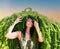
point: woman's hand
(18, 20)
(36, 25)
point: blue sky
(49, 4)
(46, 7)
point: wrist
(15, 23)
(38, 29)
(38, 32)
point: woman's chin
(29, 26)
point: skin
(18, 34)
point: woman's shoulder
(21, 33)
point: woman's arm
(10, 34)
(40, 38)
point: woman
(25, 38)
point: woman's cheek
(29, 24)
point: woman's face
(29, 23)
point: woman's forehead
(29, 19)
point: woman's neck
(27, 30)
(27, 33)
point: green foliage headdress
(50, 31)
